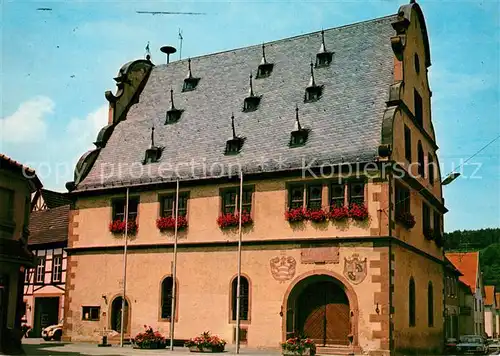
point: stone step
(334, 350)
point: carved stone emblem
(355, 269)
(282, 268)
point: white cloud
(83, 132)
(27, 123)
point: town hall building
(343, 208)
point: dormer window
(299, 135)
(173, 114)
(323, 57)
(251, 102)
(153, 153)
(313, 91)
(190, 82)
(265, 69)
(235, 143)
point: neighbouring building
(342, 236)
(452, 301)
(466, 325)
(468, 264)
(44, 285)
(490, 311)
(497, 300)
(17, 182)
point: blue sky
(57, 64)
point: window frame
(44, 269)
(412, 316)
(402, 205)
(430, 305)
(247, 190)
(350, 196)
(233, 300)
(309, 201)
(407, 143)
(183, 195)
(168, 298)
(431, 172)
(122, 200)
(290, 188)
(426, 217)
(90, 308)
(436, 219)
(331, 198)
(418, 106)
(10, 202)
(52, 273)
(420, 159)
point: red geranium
(358, 212)
(232, 220)
(407, 219)
(339, 213)
(118, 227)
(295, 215)
(168, 223)
(316, 216)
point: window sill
(242, 322)
(168, 320)
(90, 319)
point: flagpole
(238, 285)
(124, 271)
(174, 269)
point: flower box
(118, 227)
(168, 223)
(358, 212)
(295, 215)
(232, 220)
(317, 216)
(206, 343)
(298, 346)
(406, 219)
(429, 234)
(149, 339)
(338, 213)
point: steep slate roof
(54, 199)
(345, 123)
(490, 295)
(48, 226)
(468, 264)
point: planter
(358, 212)
(295, 215)
(117, 227)
(151, 345)
(317, 216)
(165, 224)
(205, 349)
(226, 221)
(406, 219)
(306, 352)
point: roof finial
(250, 91)
(263, 61)
(172, 107)
(322, 49)
(232, 125)
(152, 137)
(189, 75)
(297, 126)
(148, 52)
(312, 83)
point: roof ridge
(280, 40)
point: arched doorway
(116, 315)
(318, 307)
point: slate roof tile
(48, 226)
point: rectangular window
(27, 275)
(402, 200)
(357, 193)
(119, 206)
(430, 168)
(418, 108)
(91, 313)
(426, 218)
(57, 268)
(337, 198)
(7, 204)
(40, 270)
(407, 143)
(231, 200)
(314, 194)
(437, 222)
(296, 197)
(167, 204)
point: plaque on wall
(320, 255)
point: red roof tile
(490, 295)
(497, 297)
(467, 263)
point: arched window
(411, 302)
(421, 163)
(430, 305)
(244, 290)
(166, 297)
(430, 168)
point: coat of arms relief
(355, 268)
(282, 268)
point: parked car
(450, 346)
(494, 346)
(53, 332)
(472, 344)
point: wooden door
(323, 314)
(116, 315)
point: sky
(56, 66)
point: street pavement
(46, 348)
